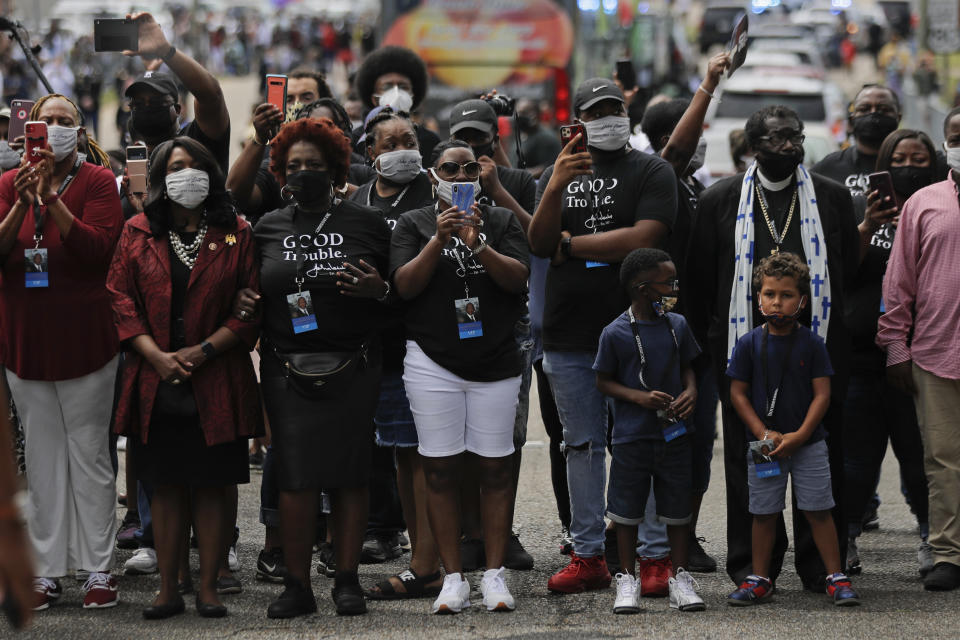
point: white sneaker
(925, 557)
(496, 596)
(141, 563)
(628, 594)
(233, 562)
(682, 593)
(454, 596)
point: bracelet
(480, 247)
(169, 54)
(700, 88)
(256, 140)
(386, 294)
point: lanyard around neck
(393, 205)
(643, 358)
(770, 398)
(38, 211)
(301, 257)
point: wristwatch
(480, 247)
(565, 245)
(208, 349)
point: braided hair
(95, 155)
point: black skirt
(177, 454)
(321, 443)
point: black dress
(176, 453)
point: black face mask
(874, 127)
(152, 122)
(528, 123)
(909, 180)
(484, 150)
(779, 166)
(311, 189)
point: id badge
(593, 265)
(36, 266)
(765, 466)
(468, 318)
(301, 312)
(672, 429)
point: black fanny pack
(318, 375)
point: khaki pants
(938, 412)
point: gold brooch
(230, 239)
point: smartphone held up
(115, 34)
(569, 131)
(137, 168)
(35, 134)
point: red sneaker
(654, 576)
(101, 591)
(45, 591)
(582, 574)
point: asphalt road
(895, 604)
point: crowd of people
(373, 302)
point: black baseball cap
(473, 114)
(593, 91)
(158, 81)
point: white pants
(71, 511)
(454, 415)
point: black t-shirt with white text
(583, 297)
(352, 233)
(520, 185)
(850, 168)
(432, 319)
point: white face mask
(188, 187)
(397, 99)
(698, 156)
(400, 166)
(609, 133)
(445, 188)
(9, 157)
(953, 156)
(63, 140)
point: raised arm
(545, 228)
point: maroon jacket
(225, 387)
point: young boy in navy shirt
(643, 363)
(780, 387)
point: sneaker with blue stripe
(753, 590)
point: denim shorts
(809, 468)
(635, 464)
(395, 426)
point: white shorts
(454, 415)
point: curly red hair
(319, 131)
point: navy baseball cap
(158, 81)
(593, 91)
(473, 114)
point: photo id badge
(301, 312)
(766, 466)
(468, 318)
(672, 429)
(37, 268)
(593, 265)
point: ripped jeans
(583, 413)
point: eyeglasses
(777, 140)
(673, 284)
(450, 169)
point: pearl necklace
(187, 254)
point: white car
(742, 95)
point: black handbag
(318, 375)
(176, 399)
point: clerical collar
(771, 185)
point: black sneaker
(296, 600)
(473, 555)
(566, 541)
(377, 549)
(516, 557)
(348, 597)
(698, 560)
(270, 565)
(944, 577)
(871, 521)
(326, 560)
(229, 585)
(256, 459)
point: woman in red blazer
(188, 393)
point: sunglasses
(673, 284)
(450, 169)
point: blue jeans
(583, 413)
(144, 535)
(704, 429)
(652, 540)
(524, 338)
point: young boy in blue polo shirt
(780, 387)
(643, 363)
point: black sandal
(416, 587)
